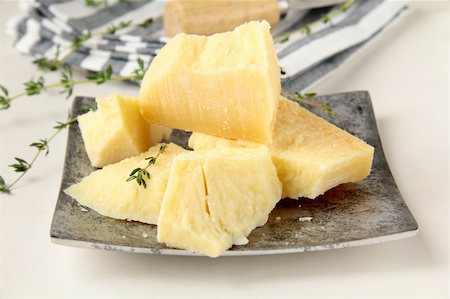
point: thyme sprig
(67, 82)
(140, 174)
(325, 19)
(36, 86)
(306, 99)
(80, 40)
(42, 146)
(46, 64)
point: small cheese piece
(207, 17)
(117, 130)
(310, 154)
(107, 191)
(226, 85)
(216, 198)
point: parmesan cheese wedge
(310, 154)
(216, 198)
(226, 85)
(208, 17)
(117, 130)
(107, 191)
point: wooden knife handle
(213, 16)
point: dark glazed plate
(368, 212)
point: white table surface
(405, 70)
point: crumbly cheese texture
(117, 130)
(226, 85)
(216, 198)
(310, 154)
(107, 191)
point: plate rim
(182, 252)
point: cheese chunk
(226, 85)
(117, 130)
(207, 17)
(216, 198)
(107, 191)
(310, 154)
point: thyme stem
(306, 28)
(59, 128)
(306, 99)
(75, 82)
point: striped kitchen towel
(305, 57)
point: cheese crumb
(305, 219)
(240, 241)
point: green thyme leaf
(146, 23)
(325, 19)
(284, 39)
(96, 3)
(33, 87)
(328, 110)
(139, 72)
(45, 64)
(140, 174)
(88, 107)
(4, 90)
(80, 39)
(63, 125)
(113, 28)
(42, 145)
(5, 102)
(66, 81)
(101, 76)
(305, 29)
(310, 94)
(3, 187)
(21, 165)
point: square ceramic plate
(368, 212)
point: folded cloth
(305, 55)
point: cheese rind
(107, 191)
(117, 130)
(226, 85)
(216, 198)
(310, 154)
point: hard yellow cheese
(108, 192)
(206, 17)
(117, 130)
(310, 154)
(227, 84)
(216, 198)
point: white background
(406, 71)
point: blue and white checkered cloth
(304, 58)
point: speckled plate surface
(368, 212)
